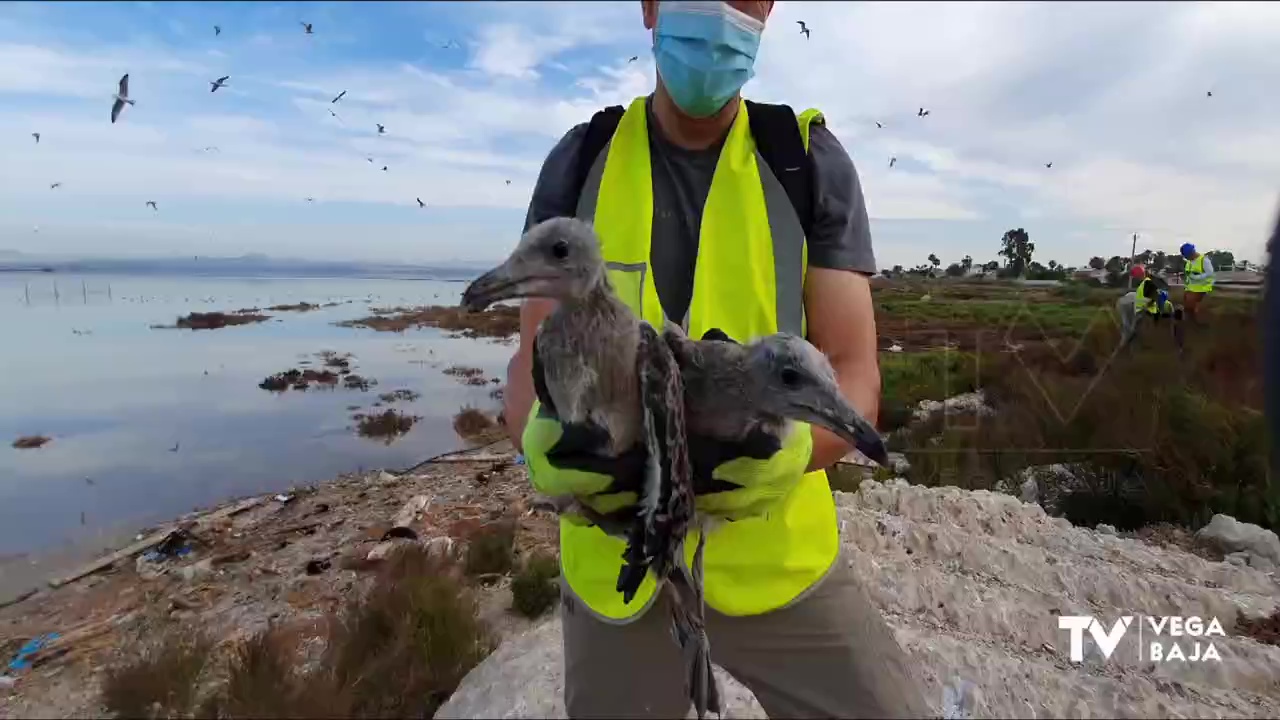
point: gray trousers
(829, 654)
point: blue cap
(1187, 249)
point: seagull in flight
(175, 446)
(152, 204)
(217, 30)
(634, 58)
(339, 97)
(382, 130)
(420, 203)
(921, 112)
(508, 182)
(122, 97)
(369, 159)
(892, 160)
(55, 186)
(311, 199)
(803, 28)
(1048, 165)
(306, 27)
(384, 168)
(220, 82)
(211, 148)
(1208, 93)
(37, 137)
(879, 124)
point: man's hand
(842, 324)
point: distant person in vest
(715, 212)
(1149, 299)
(1199, 275)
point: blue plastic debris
(957, 699)
(32, 646)
(519, 458)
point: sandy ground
(249, 568)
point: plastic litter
(22, 660)
(519, 458)
(957, 699)
(282, 498)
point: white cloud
(1113, 95)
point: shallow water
(118, 400)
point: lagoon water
(119, 396)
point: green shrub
(534, 590)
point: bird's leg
(684, 587)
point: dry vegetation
(476, 427)
(386, 426)
(31, 442)
(499, 321)
(398, 650)
(215, 320)
(469, 375)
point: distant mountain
(253, 265)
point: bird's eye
(789, 376)
(560, 250)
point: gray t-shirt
(841, 237)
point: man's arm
(842, 324)
(837, 293)
(517, 398)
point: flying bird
(306, 27)
(220, 82)
(921, 112)
(382, 130)
(311, 199)
(633, 58)
(1208, 93)
(420, 203)
(879, 124)
(384, 168)
(55, 186)
(152, 204)
(369, 159)
(217, 30)
(122, 97)
(803, 28)
(175, 446)
(1048, 165)
(339, 97)
(508, 182)
(335, 116)
(211, 148)
(37, 137)
(892, 160)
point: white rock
(1105, 529)
(1231, 535)
(971, 584)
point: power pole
(1133, 252)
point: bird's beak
(838, 416)
(505, 282)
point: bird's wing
(124, 85)
(224, 78)
(115, 109)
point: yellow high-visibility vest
(1195, 267)
(748, 281)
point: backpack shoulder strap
(783, 143)
(599, 131)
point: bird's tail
(688, 625)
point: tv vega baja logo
(1160, 639)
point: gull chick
(122, 97)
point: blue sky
(1112, 93)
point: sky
(475, 94)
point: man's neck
(687, 132)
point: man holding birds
(717, 213)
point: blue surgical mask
(705, 52)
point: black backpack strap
(599, 131)
(777, 135)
